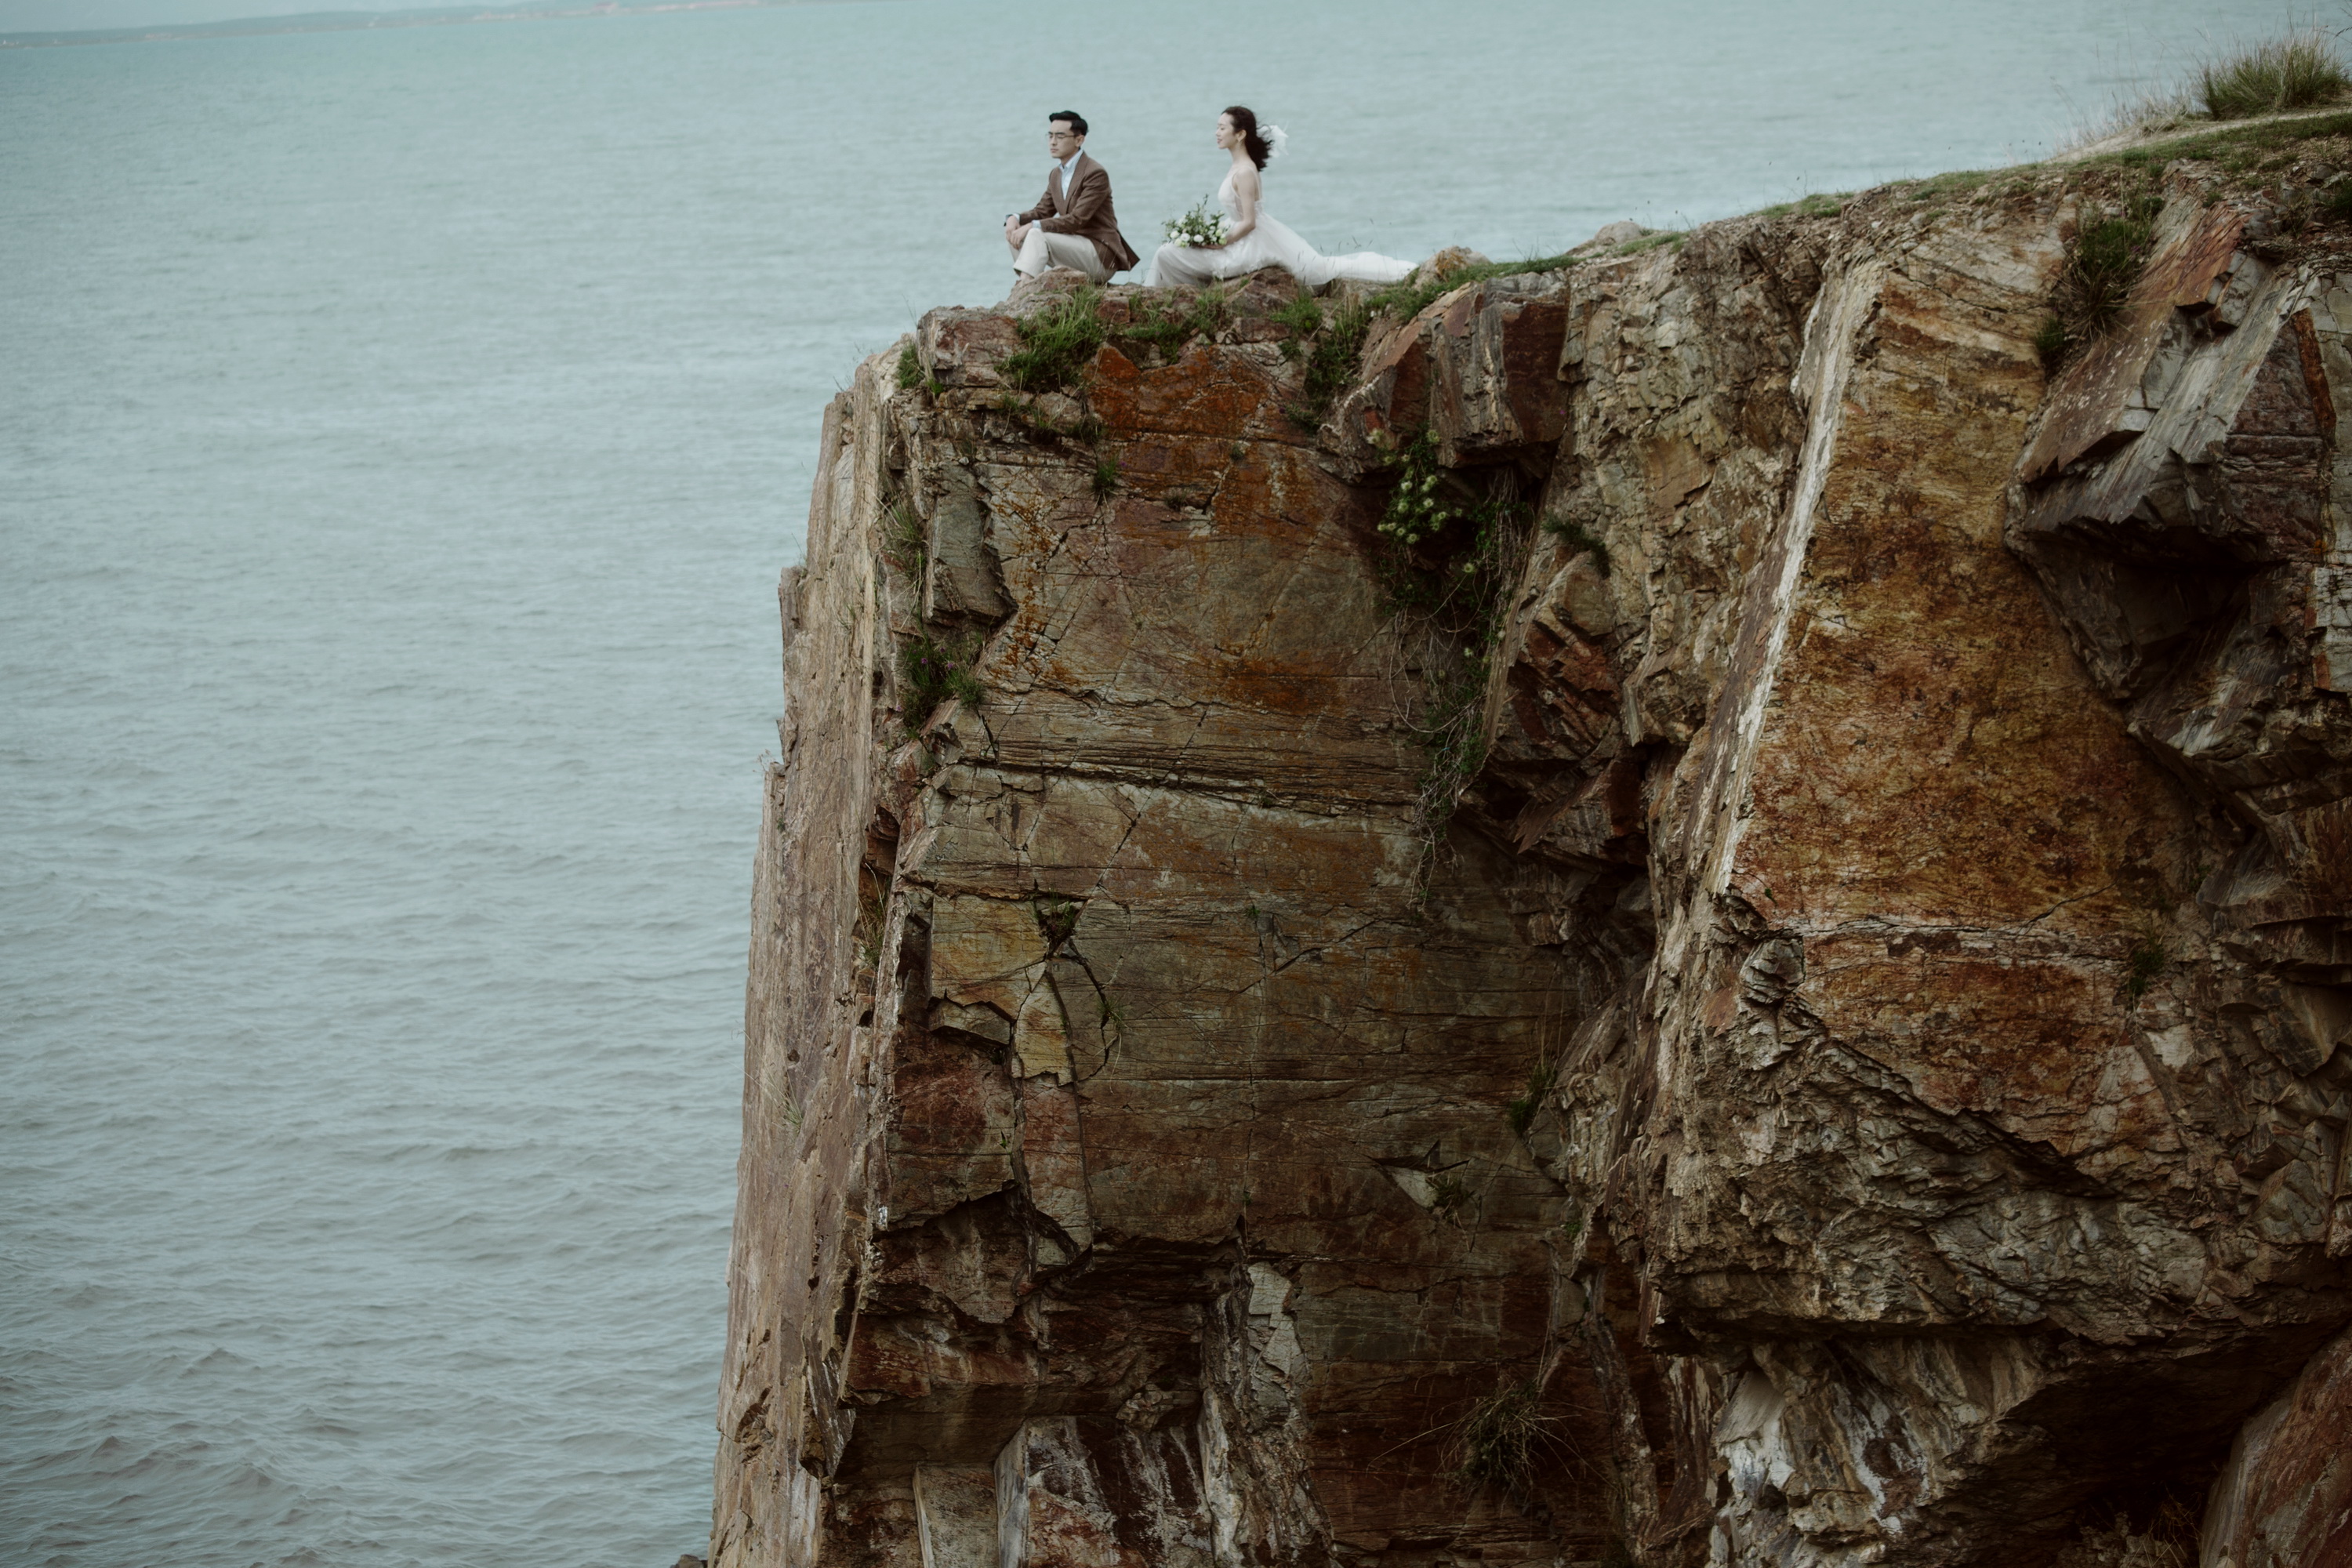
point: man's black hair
(1078, 121)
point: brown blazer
(1086, 210)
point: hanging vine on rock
(1451, 546)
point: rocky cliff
(1685, 909)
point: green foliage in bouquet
(1204, 224)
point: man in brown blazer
(1071, 223)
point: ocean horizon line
(364, 21)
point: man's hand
(1015, 232)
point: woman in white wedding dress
(1254, 236)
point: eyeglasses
(1061, 135)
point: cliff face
(1854, 1079)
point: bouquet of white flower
(1204, 224)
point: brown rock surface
(1855, 1076)
(2285, 1500)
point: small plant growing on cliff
(2050, 341)
(1573, 533)
(1106, 478)
(1056, 343)
(903, 538)
(2143, 964)
(1299, 320)
(1495, 1442)
(1446, 560)
(1424, 502)
(1447, 1193)
(1332, 364)
(1522, 1109)
(1086, 430)
(931, 670)
(910, 369)
(873, 913)
(1165, 330)
(1332, 344)
(1057, 918)
(1456, 739)
(2095, 283)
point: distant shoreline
(356, 21)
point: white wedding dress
(1271, 243)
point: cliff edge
(1689, 907)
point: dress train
(1272, 243)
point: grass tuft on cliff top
(1415, 294)
(1817, 204)
(2231, 146)
(1167, 327)
(1056, 343)
(2299, 70)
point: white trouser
(1041, 250)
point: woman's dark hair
(1253, 143)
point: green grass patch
(2235, 143)
(1332, 345)
(1165, 330)
(1445, 562)
(904, 539)
(1410, 298)
(1817, 204)
(1056, 343)
(1581, 538)
(1057, 917)
(1954, 183)
(1521, 1109)
(1332, 364)
(911, 372)
(2095, 283)
(1106, 478)
(1300, 320)
(1650, 242)
(2050, 341)
(2300, 70)
(932, 670)
(2143, 964)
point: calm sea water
(400, 433)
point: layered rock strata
(1854, 1077)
